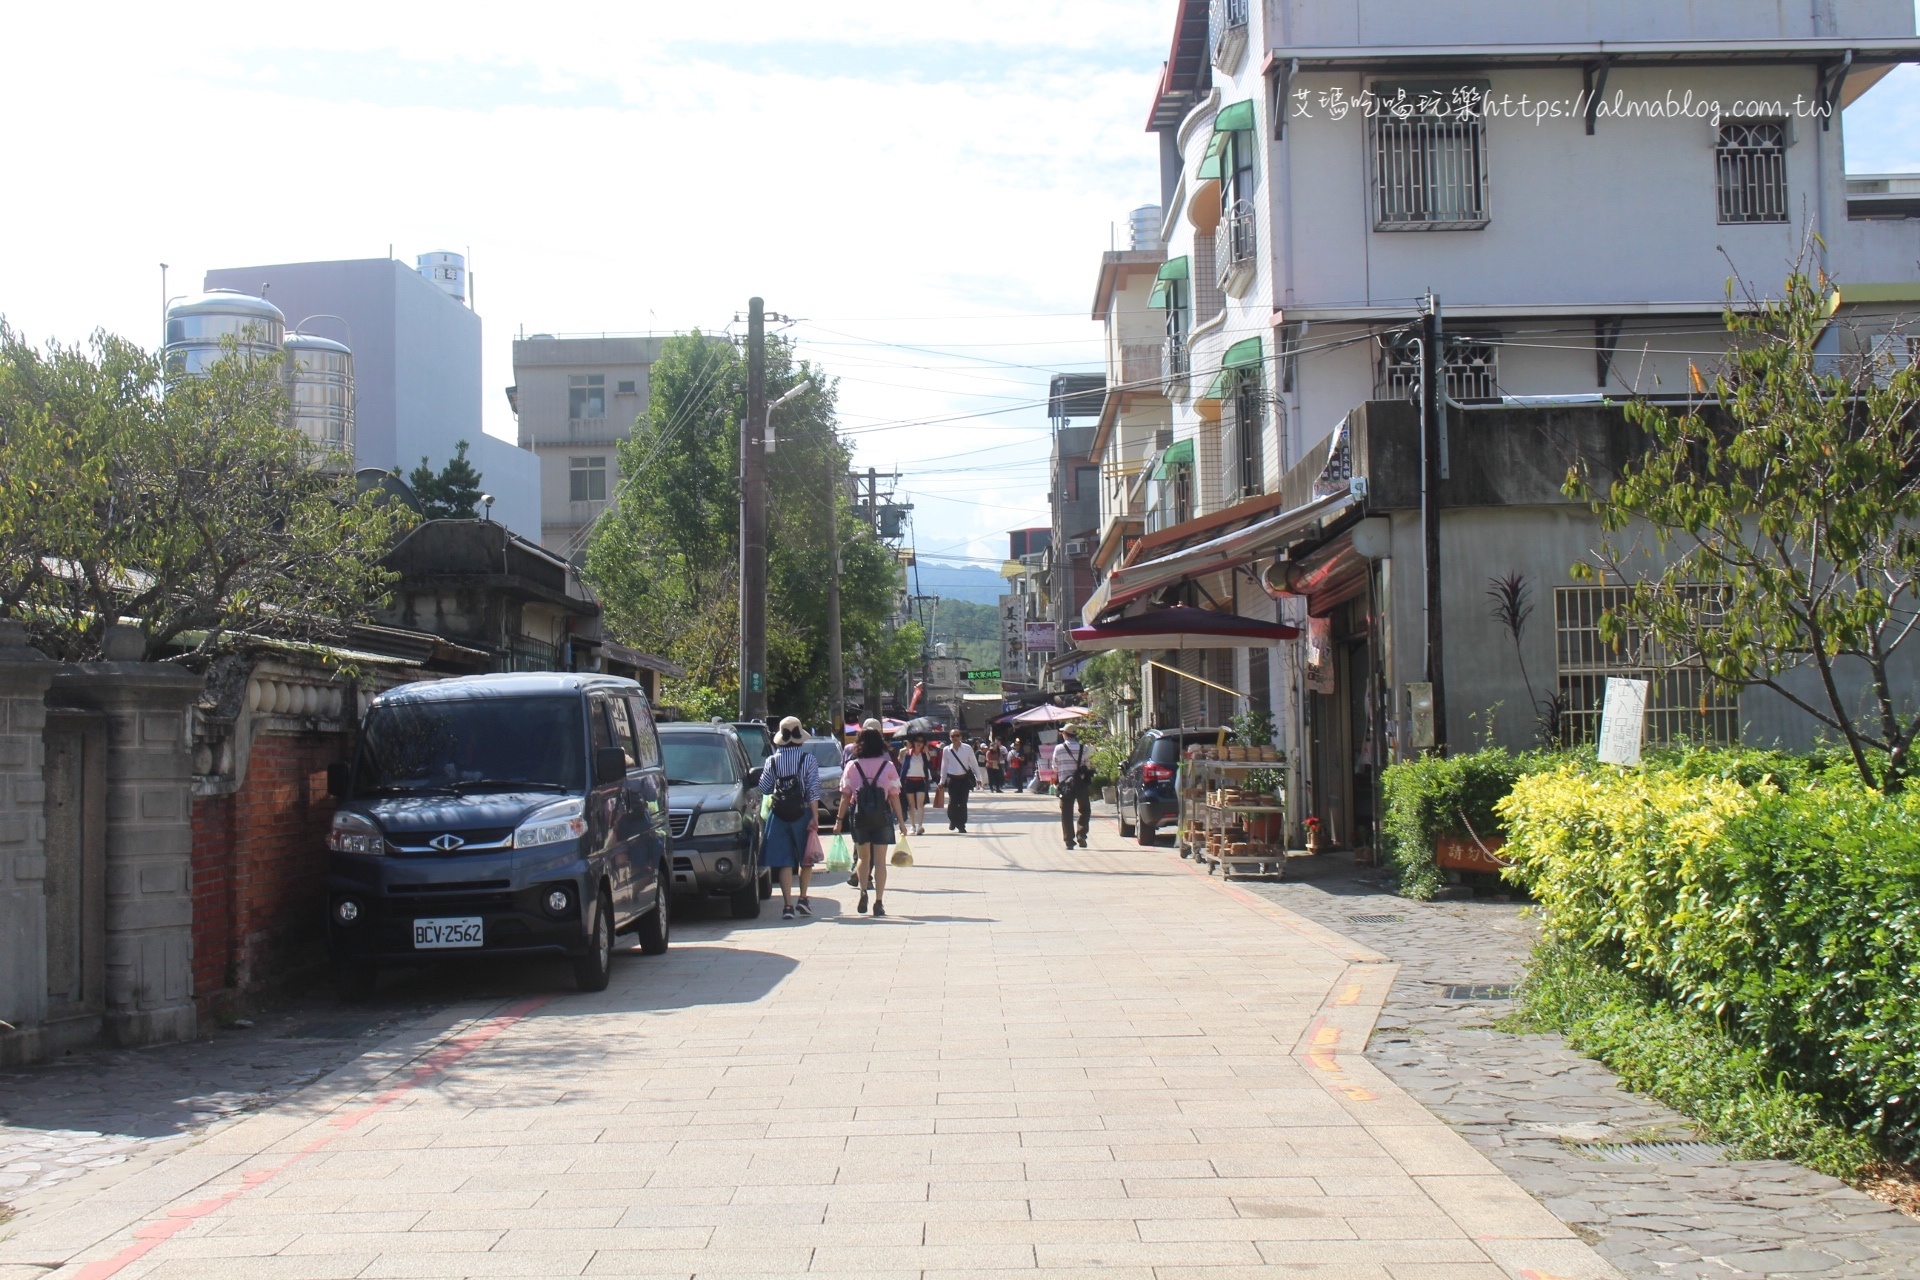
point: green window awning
(1244, 354)
(1180, 455)
(1173, 269)
(1237, 118)
(1214, 160)
(1158, 298)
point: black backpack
(1081, 779)
(789, 797)
(870, 801)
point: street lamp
(805, 384)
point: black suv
(1147, 797)
(715, 816)
(499, 815)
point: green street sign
(756, 681)
(986, 673)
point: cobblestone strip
(1526, 1102)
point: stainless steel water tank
(1144, 225)
(197, 326)
(447, 270)
(320, 393)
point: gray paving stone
(1524, 1100)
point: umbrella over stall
(1182, 627)
(1049, 715)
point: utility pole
(836, 672)
(753, 522)
(1433, 391)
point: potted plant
(1312, 825)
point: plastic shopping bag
(815, 855)
(839, 853)
(902, 854)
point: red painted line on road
(152, 1235)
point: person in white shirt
(958, 764)
(1074, 774)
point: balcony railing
(524, 653)
(1235, 247)
(1174, 359)
(1227, 31)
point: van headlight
(565, 820)
(721, 822)
(352, 833)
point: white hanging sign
(1623, 720)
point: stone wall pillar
(149, 841)
(24, 676)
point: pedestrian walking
(996, 765)
(853, 744)
(791, 777)
(916, 780)
(870, 788)
(958, 765)
(1074, 777)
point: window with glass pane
(1430, 157)
(588, 479)
(587, 395)
(1752, 160)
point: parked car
(1147, 797)
(715, 816)
(499, 815)
(756, 738)
(827, 752)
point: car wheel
(1146, 832)
(1126, 828)
(746, 902)
(355, 982)
(656, 925)
(593, 970)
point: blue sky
(927, 187)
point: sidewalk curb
(56, 1226)
(1318, 934)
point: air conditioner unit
(1079, 546)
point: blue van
(502, 815)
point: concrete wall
(24, 676)
(416, 357)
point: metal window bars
(1227, 30)
(1751, 157)
(1430, 172)
(1471, 366)
(1235, 244)
(1684, 702)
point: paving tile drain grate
(1374, 919)
(1654, 1152)
(1477, 990)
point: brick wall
(260, 867)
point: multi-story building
(415, 347)
(576, 399)
(1024, 610)
(1074, 502)
(1571, 185)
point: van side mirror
(338, 778)
(609, 766)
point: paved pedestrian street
(1096, 1063)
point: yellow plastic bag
(902, 854)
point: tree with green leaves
(664, 558)
(185, 506)
(1785, 504)
(453, 492)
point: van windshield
(470, 745)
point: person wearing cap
(783, 847)
(852, 747)
(958, 765)
(1075, 781)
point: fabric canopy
(1179, 455)
(1050, 715)
(1182, 627)
(1237, 118)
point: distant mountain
(958, 582)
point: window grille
(1430, 163)
(1752, 160)
(1471, 367)
(1243, 423)
(1684, 703)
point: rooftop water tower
(198, 327)
(447, 270)
(320, 393)
(1143, 224)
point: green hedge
(1438, 796)
(1769, 895)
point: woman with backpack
(916, 780)
(791, 779)
(870, 787)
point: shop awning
(1183, 628)
(1131, 582)
(1178, 455)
